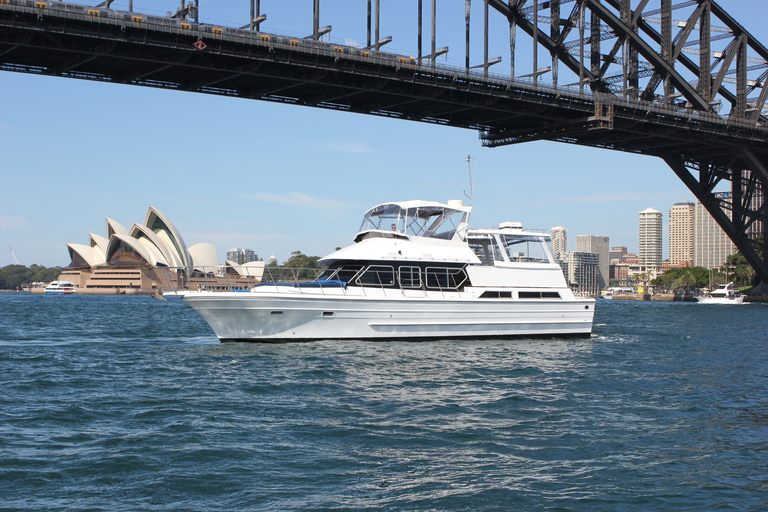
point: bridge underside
(702, 148)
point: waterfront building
(582, 271)
(559, 237)
(650, 238)
(147, 257)
(620, 274)
(681, 225)
(597, 245)
(711, 246)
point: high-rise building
(559, 241)
(681, 233)
(241, 256)
(582, 271)
(597, 245)
(711, 246)
(650, 237)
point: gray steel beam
(650, 54)
(704, 194)
(512, 13)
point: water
(128, 403)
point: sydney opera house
(149, 257)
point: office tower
(711, 246)
(618, 253)
(681, 233)
(597, 245)
(582, 271)
(559, 241)
(650, 238)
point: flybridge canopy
(418, 218)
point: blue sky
(278, 178)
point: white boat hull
(285, 317)
(720, 300)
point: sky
(279, 178)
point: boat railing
(304, 280)
(225, 278)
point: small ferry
(723, 294)
(61, 287)
(415, 272)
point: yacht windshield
(526, 248)
(426, 221)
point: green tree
(12, 276)
(742, 271)
(686, 281)
(298, 267)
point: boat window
(410, 277)
(496, 295)
(486, 249)
(445, 278)
(434, 222)
(525, 248)
(344, 273)
(378, 275)
(427, 221)
(389, 217)
(538, 295)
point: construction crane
(14, 256)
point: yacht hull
(720, 300)
(276, 317)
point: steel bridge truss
(654, 66)
(612, 81)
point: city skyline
(282, 178)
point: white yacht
(63, 287)
(415, 272)
(723, 294)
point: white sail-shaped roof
(126, 251)
(162, 244)
(166, 231)
(204, 257)
(250, 269)
(80, 254)
(156, 242)
(99, 245)
(115, 228)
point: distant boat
(59, 287)
(724, 294)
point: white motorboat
(415, 272)
(62, 287)
(723, 294)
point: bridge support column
(747, 226)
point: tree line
(736, 270)
(13, 276)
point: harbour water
(129, 403)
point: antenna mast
(14, 256)
(471, 186)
